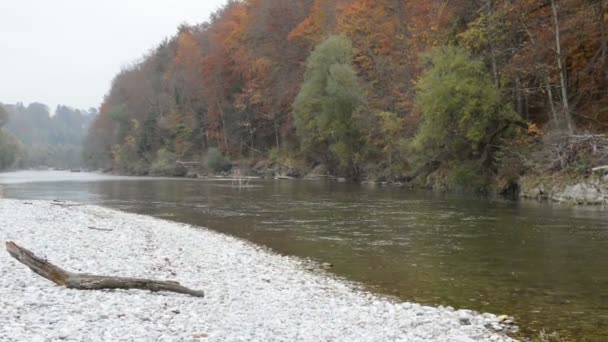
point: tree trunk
(519, 98)
(81, 281)
(562, 70)
(551, 105)
(276, 136)
(492, 47)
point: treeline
(39, 139)
(450, 93)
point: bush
(139, 168)
(467, 177)
(216, 162)
(166, 164)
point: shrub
(216, 162)
(166, 164)
(467, 177)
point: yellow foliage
(534, 130)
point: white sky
(68, 51)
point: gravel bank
(251, 294)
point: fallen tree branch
(82, 281)
(66, 205)
(101, 229)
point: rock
(502, 318)
(462, 339)
(534, 192)
(317, 172)
(495, 327)
(464, 318)
(193, 175)
(327, 265)
(582, 193)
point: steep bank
(252, 294)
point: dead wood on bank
(82, 281)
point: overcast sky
(68, 51)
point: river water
(545, 264)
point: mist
(68, 51)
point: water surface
(547, 265)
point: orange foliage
(318, 25)
(231, 82)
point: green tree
(326, 104)
(463, 118)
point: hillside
(451, 95)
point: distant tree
(326, 105)
(320, 22)
(46, 140)
(10, 149)
(3, 116)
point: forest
(462, 94)
(31, 137)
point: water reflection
(547, 265)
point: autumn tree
(275, 71)
(382, 55)
(319, 24)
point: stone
(582, 193)
(464, 318)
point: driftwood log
(101, 229)
(82, 281)
(67, 205)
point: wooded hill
(35, 138)
(440, 92)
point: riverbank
(251, 293)
(560, 187)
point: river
(545, 264)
